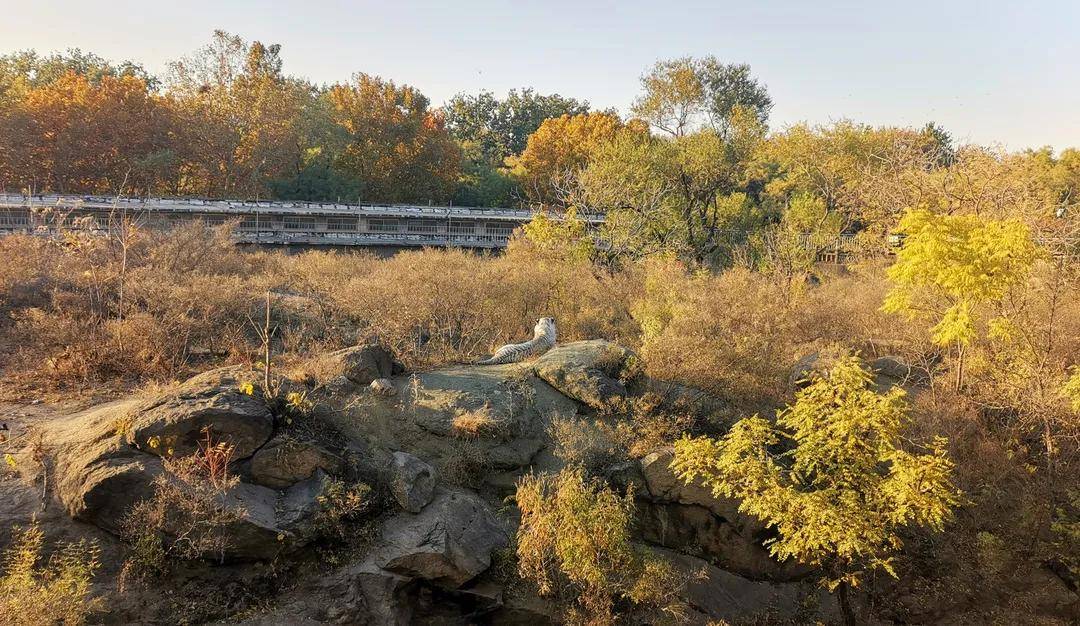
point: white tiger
(542, 341)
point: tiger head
(545, 327)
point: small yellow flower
(10, 460)
(281, 537)
(154, 442)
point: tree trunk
(959, 366)
(845, 605)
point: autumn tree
(560, 147)
(684, 94)
(669, 195)
(79, 136)
(397, 149)
(238, 115)
(74, 121)
(950, 266)
(834, 477)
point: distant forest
(694, 159)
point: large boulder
(448, 543)
(284, 462)
(100, 475)
(887, 370)
(356, 366)
(689, 518)
(174, 423)
(727, 597)
(412, 481)
(587, 371)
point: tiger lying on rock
(542, 341)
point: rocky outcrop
(587, 371)
(887, 370)
(106, 461)
(284, 461)
(430, 558)
(722, 595)
(174, 423)
(412, 482)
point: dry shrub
(341, 505)
(729, 334)
(464, 463)
(186, 298)
(574, 543)
(439, 306)
(480, 422)
(187, 517)
(845, 308)
(54, 592)
(591, 445)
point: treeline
(227, 122)
(694, 172)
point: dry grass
(481, 422)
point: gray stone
(99, 478)
(688, 517)
(587, 371)
(359, 365)
(449, 542)
(382, 387)
(412, 481)
(722, 595)
(284, 462)
(175, 423)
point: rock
(412, 481)
(587, 371)
(689, 518)
(283, 462)
(382, 387)
(176, 421)
(663, 485)
(514, 454)
(728, 597)
(893, 370)
(509, 394)
(360, 365)
(449, 542)
(682, 399)
(100, 477)
(803, 371)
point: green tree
(951, 265)
(832, 476)
(669, 195)
(679, 95)
(501, 128)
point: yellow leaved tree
(846, 484)
(951, 265)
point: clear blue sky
(990, 72)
